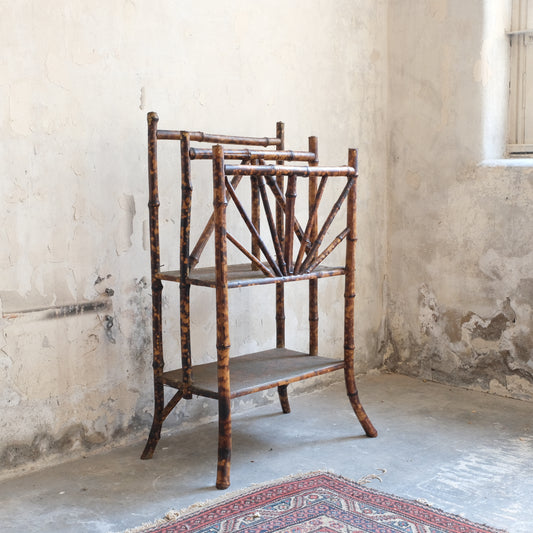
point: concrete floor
(465, 452)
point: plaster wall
(77, 79)
(460, 257)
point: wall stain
(493, 330)
(75, 438)
(465, 348)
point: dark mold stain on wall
(74, 438)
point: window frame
(520, 37)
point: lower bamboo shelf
(255, 372)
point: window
(521, 80)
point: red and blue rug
(315, 503)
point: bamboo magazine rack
(287, 251)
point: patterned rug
(313, 503)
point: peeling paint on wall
(489, 353)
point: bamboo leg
(284, 399)
(280, 288)
(155, 432)
(349, 313)
(353, 396)
(157, 288)
(159, 393)
(185, 228)
(185, 337)
(224, 443)
(280, 341)
(280, 315)
(223, 340)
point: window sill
(524, 162)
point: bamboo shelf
(292, 252)
(243, 275)
(256, 372)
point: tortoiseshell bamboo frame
(280, 267)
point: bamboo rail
(279, 170)
(231, 153)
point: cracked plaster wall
(460, 273)
(77, 80)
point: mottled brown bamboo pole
(272, 225)
(284, 399)
(313, 283)
(254, 260)
(290, 196)
(334, 210)
(236, 153)
(212, 138)
(310, 230)
(172, 403)
(332, 245)
(278, 170)
(223, 340)
(349, 308)
(185, 230)
(256, 218)
(206, 233)
(157, 288)
(252, 228)
(280, 288)
(281, 203)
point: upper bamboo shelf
(244, 275)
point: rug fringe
(370, 477)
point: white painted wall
(77, 79)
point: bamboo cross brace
(206, 233)
(280, 199)
(172, 403)
(336, 241)
(311, 224)
(250, 256)
(252, 228)
(272, 225)
(335, 209)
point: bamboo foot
(284, 399)
(153, 439)
(223, 469)
(359, 411)
(224, 444)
